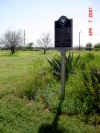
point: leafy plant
(71, 64)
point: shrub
(90, 95)
(34, 87)
(97, 46)
(90, 56)
(30, 46)
(89, 46)
(28, 91)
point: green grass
(27, 70)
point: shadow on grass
(53, 127)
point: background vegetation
(29, 92)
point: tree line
(13, 40)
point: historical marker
(63, 40)
(63, 32)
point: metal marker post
(63, 61)
(63, 40)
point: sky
(37, 17)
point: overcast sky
(38, 16)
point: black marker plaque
(63, 32)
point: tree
(44, 41)
(97, 46)
(30, 46)
(11, 40)
(89, 46)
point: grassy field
(29, 93)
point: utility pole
(79, 39)
(24, 37)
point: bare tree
(44, 41)
(12, 40)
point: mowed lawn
(20, 72)
(17, 70)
